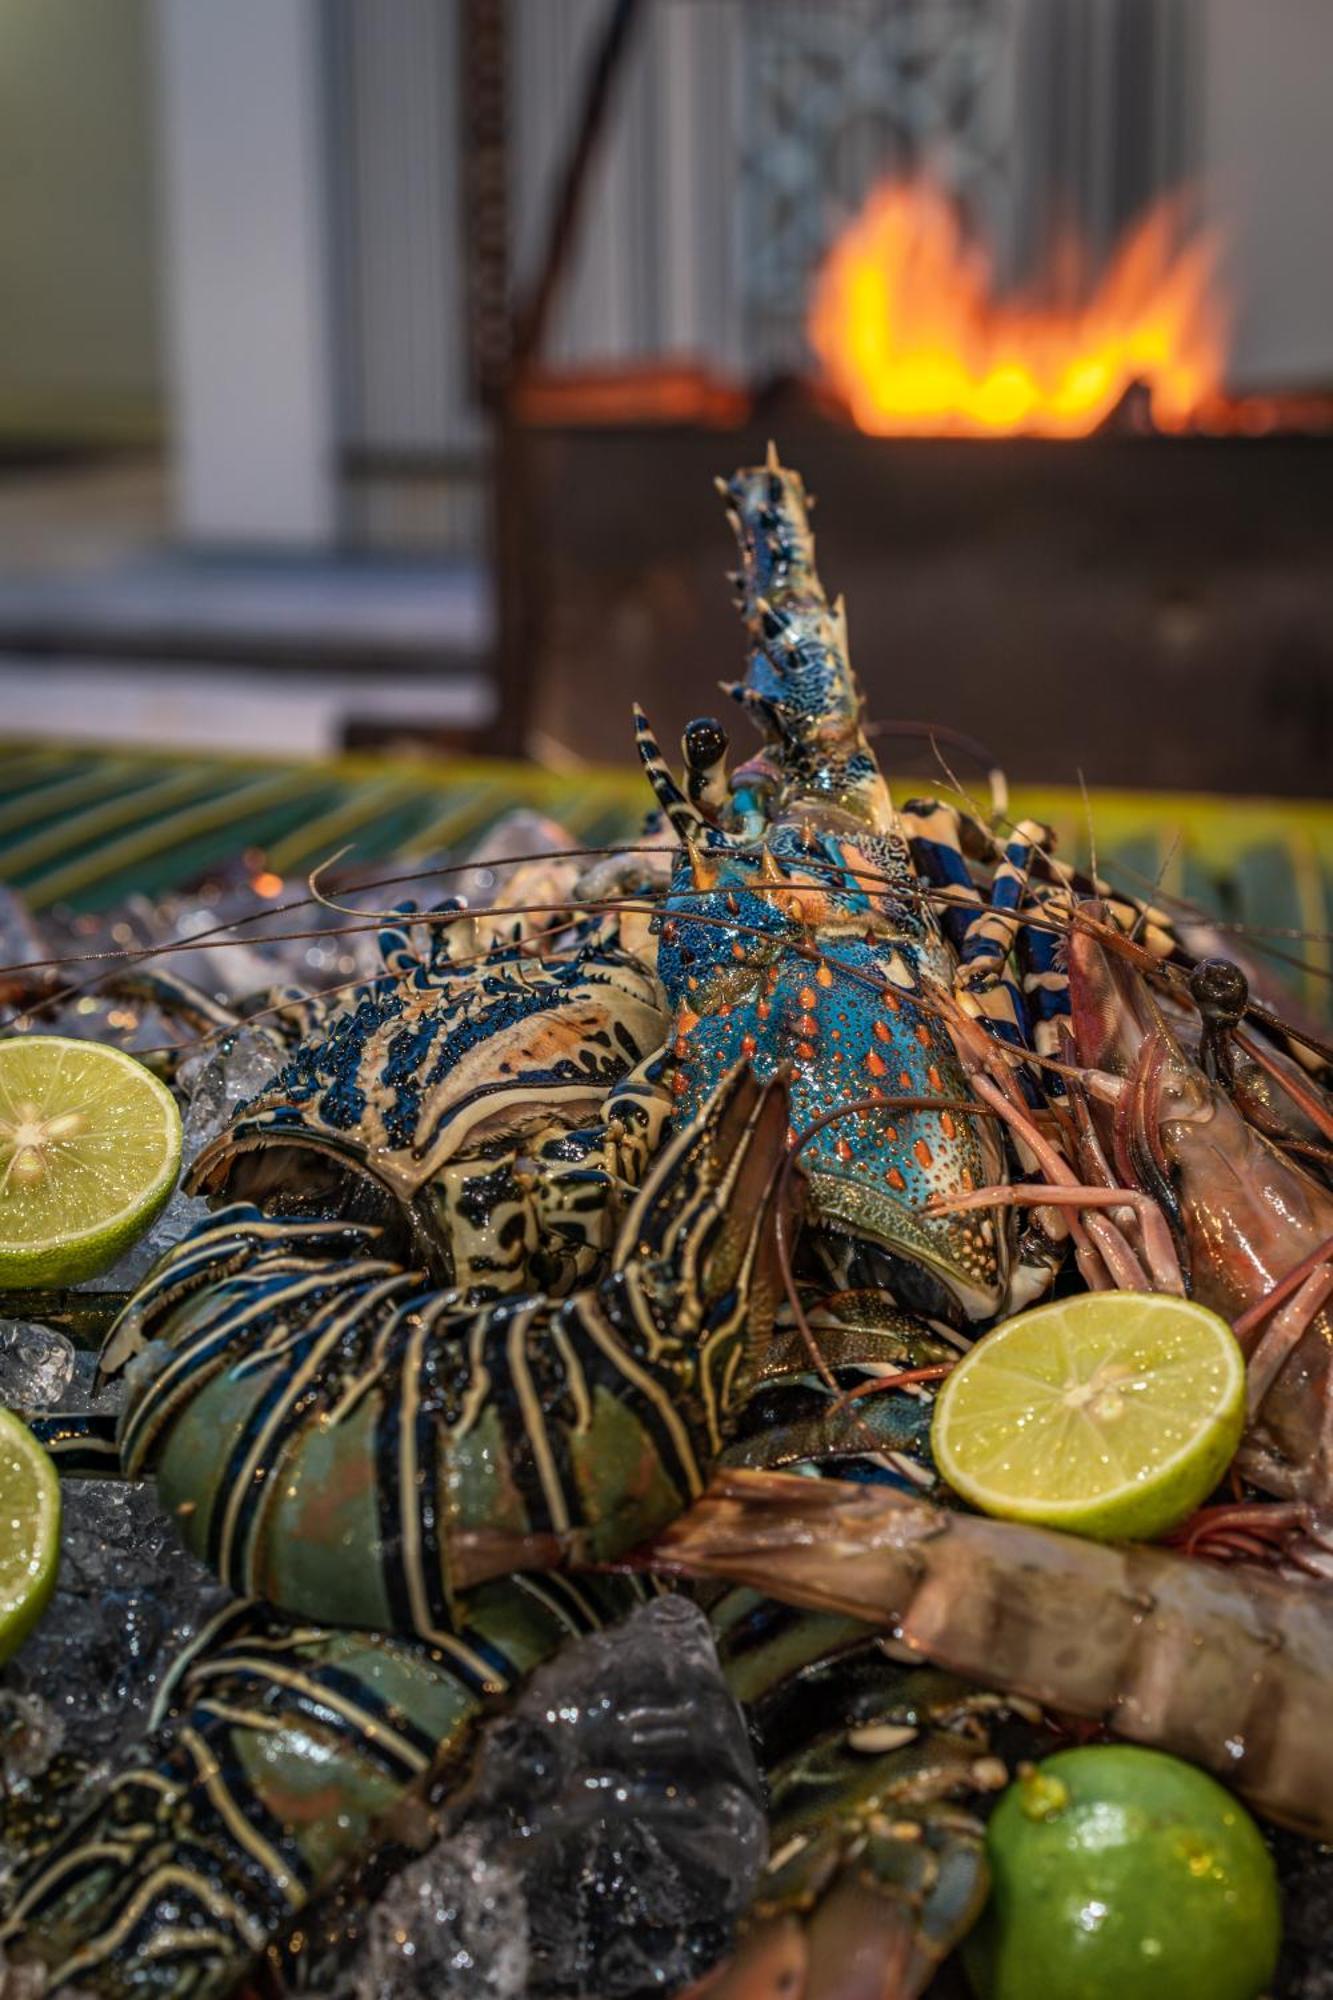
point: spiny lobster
(495, 1286)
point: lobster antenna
(691, 827)
(999, 795)
(1092, 833)
(1146, 908)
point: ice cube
(182, 1214)
(127, 1598)
(612, 1832)
(451, 1927)
(219, 1078)
(80, 1394)
(626, 1777)
(36, 1365)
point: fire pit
(1150, 611)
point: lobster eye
(1221, 990)
(704, 743)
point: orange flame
(904, 320)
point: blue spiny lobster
(495, 1285)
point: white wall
(79, 352)
(249, 317)
(1267, 145)
(654, 269)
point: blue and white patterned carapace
(795, 934)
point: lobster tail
(338, 1437)
(278, 1756)
(798, 682)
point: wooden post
(507, 339)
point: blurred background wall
(266, 196)
(1264, 113)
(80, 250)
(234, 244)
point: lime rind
(29, 1532)
(1112, 1415)
(102, 1137)
(1118, 1870)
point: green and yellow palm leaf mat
(86, 827)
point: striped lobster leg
(986, 978)
(875, 1768)
(985, 925)
(278, 1752)
(1008, 930)
(82, 1443)
(336, 1437)
(797, 1417)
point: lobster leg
(82, 1443)
(876, 1865)
(982, 929)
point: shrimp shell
(1232, 1671)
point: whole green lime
(1123, 1874)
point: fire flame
(905, 321)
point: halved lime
(90, 1146)
(1113, 1414)
(29, 1532)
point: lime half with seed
(29, 1532)
(90, 1146)
(1113, 1415)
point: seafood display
(613, 1238)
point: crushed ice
(36, 1365)
(127, 1598)
(612, 1833)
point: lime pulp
(1112, 1414)
(90, 1146)
(29, 1531)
